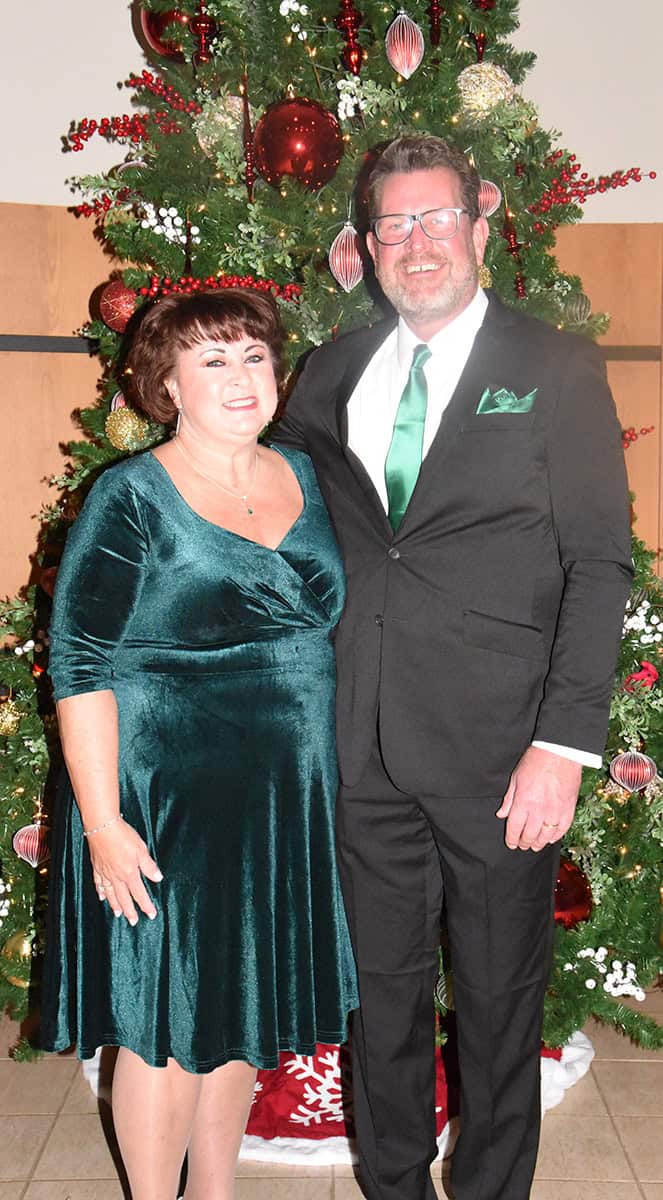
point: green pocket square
(504, 401)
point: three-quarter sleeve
(98, 586)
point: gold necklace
(215, 483)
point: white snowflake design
(323, 1096)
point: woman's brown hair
(179, 321)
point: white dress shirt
(374, 402)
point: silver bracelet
(99, 828)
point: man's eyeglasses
(440, 224)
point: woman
(195, 916)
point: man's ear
(371, 244)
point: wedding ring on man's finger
(550, 824)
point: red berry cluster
(348, 22)
(165, 91)
(631, 435)
(114, 128)
(573, 185)
(102, 204)
(189, 284)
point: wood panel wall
(50, 263)
(621, 267)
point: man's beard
(454, 295)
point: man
(471, 461)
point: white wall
(598, 80)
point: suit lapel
(371, 341)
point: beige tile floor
(604, 1142)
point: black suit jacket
(493, 616)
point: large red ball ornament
(633, 770)
(298, 137)
(117, 304)
(153, 24)
(573, 896)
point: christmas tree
(244, 157)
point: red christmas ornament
(647, 676)
(484, 5)
(348, 21)
(435, 11)
(31, 844)
(298, 137)
(116, 305)
(47, 579)
(153, 24)
(404, 44)
(247, 139)
(203, 29)
(490, 198)
(479, 40)
(633, 771)
(345, 262)
(573, 896)
(118, 401)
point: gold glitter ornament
(485, 277)
(482, 87)
(18, 951)
(10, 716)
(220, 117)
(125, 429)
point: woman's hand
(120, 858)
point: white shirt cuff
(580, 756)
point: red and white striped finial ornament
(404, 44)
(345, 262)
(633, 770)
(490, 198)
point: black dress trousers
(400, 855)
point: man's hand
(540, 800)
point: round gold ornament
(482, 87)
(10, 716)
(18, 951)
(220, 117)
(125, 429)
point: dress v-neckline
(231, 532)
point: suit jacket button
(379, 620)
(394, 553)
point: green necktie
(403, 464)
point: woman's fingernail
(158, 877)
(133, 921)
(152, 915)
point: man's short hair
(423, 152)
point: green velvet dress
(220, 656)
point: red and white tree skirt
(300, 1114)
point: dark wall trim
(36, 344)
(632, 353)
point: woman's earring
(178, 421)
